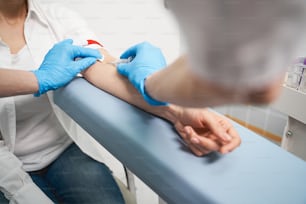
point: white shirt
(241, 43)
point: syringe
(120, 61)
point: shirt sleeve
(241, 43)
(15, 183)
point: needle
(119, 61)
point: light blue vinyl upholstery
(258, 172)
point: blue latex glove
(147, 59)
(59, 66)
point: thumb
(130, 52)
(123, 69)
(84, 63)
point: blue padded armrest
(258, 172)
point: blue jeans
(75, 178)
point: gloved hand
(59, 66)
(147, 59)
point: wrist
(33, 82)
(172, 113)
(41, 87)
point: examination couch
(258, 172)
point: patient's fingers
(225, 124)
(202, 142)
(213, 123)
(235, 142)
(197, 151)
(191, 142)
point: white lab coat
(45, 25)
(241, 44)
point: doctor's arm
(177, 84)
(202, 130)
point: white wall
(263, 117)
(122, 23)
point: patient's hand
(203, 130)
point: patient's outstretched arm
(189, 122)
